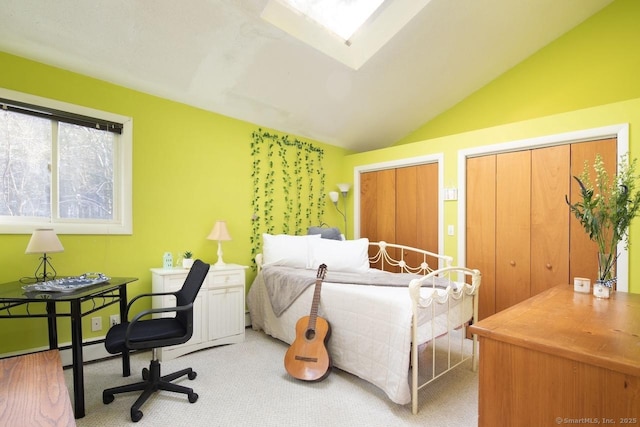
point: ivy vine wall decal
(288, 186)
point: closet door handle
(548, 266)
(513, 263)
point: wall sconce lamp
(44, 241)
(221, 234)
(333, 195)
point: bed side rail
(405, 259)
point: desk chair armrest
(144, 313)
(137, 297)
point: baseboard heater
(92, 349)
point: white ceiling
(220, 55)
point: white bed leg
(414, 362)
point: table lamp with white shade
(221, 234)
(44, 241)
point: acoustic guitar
(308, 359)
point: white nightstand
(218, 315)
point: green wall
(588, 78)
(596, 63)
(190, 168)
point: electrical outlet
(114, 319)
(96, 324)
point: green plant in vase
(605, 210)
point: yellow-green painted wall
(595, 63)
(190, 168)
(588, 78)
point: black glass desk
(15, 302)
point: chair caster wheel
(193, 397)
(192, 375)
(136, 415)
(107, 398)
(145, 374)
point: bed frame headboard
(398, 259)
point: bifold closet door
(550, 183)
(513, 228)
(401, 206)
(583, 251)
(481, 228)
(519, 230)
(378, 206)
(417, 209)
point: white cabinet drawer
(221, 279)
(174, 283)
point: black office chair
(138, 334)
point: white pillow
(286, 250)
(340, 255)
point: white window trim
(123, 168)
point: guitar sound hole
(310, 334)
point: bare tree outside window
(84, 170)
(64, 166)
(25, 158)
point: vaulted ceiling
(222, 56)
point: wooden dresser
(561, 358)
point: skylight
(343, 17)
(322, 24)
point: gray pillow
(326, 233)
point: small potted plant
(187, 259)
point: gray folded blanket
(285, 284)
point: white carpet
(246, 385)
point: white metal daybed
(379, 330)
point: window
(340, 16)
(64, 166)
(349, 31)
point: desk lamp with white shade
(44, 241)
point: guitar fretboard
(313, 315)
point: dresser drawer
(174, 283)
(222, 279)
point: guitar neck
(313, 315)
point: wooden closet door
(583, 251)
(378, 206)
(417, 210)
(481, 228)
(513, 228)
(368, 217)
(406, 202)
(401, 206)
(550, 170)
(427, 198)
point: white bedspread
(370, 329)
